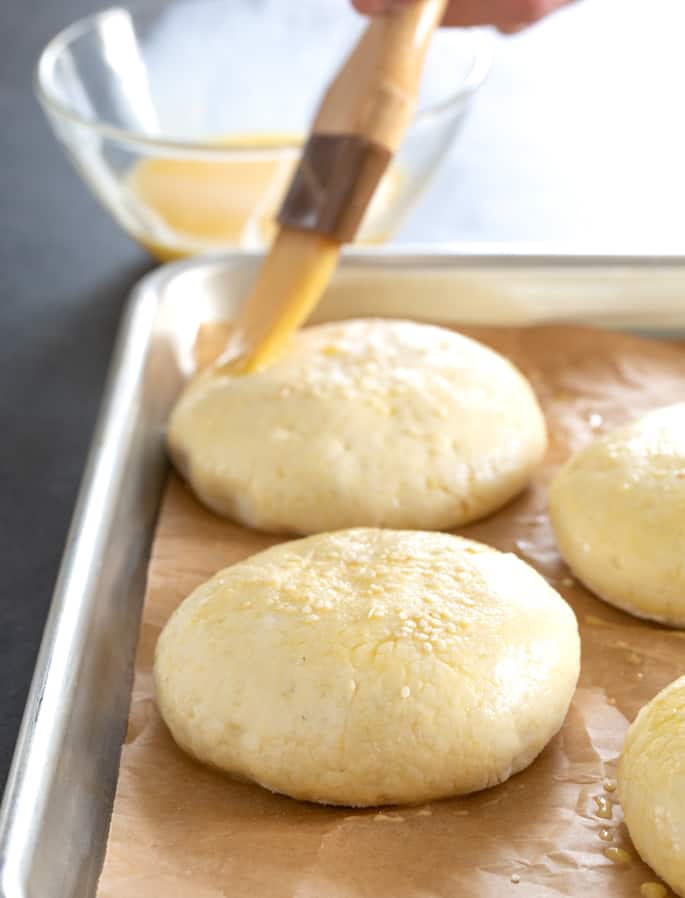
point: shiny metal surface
(55, 814)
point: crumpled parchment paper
(179, 829)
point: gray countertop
(578, 137)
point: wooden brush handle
(361, 122)
(374, 94)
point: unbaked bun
(369, 667)
(618, 510)
(361, 423)
(651, 783)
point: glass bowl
(186, 117)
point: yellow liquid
(196, 205)
(617, 856)
(605, 807)
(653, 890)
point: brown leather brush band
(333, 185)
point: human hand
(507, 15)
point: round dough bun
(651, 783)
(361, 423)
(618, 510)
(370, 667)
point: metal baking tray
(57, 806)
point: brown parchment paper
(179, 829)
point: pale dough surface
(180, 828)
(361, 423)
(618, 510)
(651, 782)
(370, 667)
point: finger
(370, 7)
(507, 15)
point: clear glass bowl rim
(475, 77)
